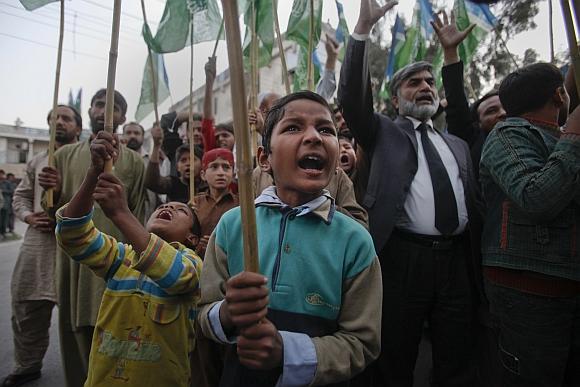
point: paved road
(51, 373)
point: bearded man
(424, 218)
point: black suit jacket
(459, 120)
(392, 151)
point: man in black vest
(424, 218)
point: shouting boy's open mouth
(312, 164)
(165, 215)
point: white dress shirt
(419, 209)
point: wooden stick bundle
(242, 134)
(54, 114)
(113, 54)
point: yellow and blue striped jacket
(144, 330)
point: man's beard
(62, 137)
(134, 144)
(96, 126)
(420, 112)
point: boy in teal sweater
(313, 318)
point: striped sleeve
(80, 239)
(175, 268)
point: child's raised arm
(103, 147)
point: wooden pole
(576, 5)
(572, 41)
(113, 53)
(254, 76)
(243, 155)
(190, 122)
(503, 43)
(551, 30)
(54, 114)
(281, 47)
(217, 40)
(310, 48)
(151, 69)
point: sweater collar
(323, 206)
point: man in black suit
(424, 218)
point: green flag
(342, 33)
(299, 23)
(467, 13)
(173, 33)
(437, 63)
(161, 82)
(300, 77)
(31, 5)
(264, 31)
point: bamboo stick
(190, 122)
(310, 48)
(151, 69)
(217, 40)
(281, 47)
(113, 53)
(243, 155)
(551, 30)
(54, 114)
(572, 42)
(253, 77)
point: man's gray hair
(406, 72)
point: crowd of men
(473, 231)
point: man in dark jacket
(423, 214)
(530, 175)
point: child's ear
(263, 160)
(202, 174)
(192, 240)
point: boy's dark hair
(276, 113)
(226, 127)
(184, 148)
(119, 99)
(529, 88)
(77, 115)
(9, 175)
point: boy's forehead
(218, 160)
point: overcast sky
(28, 41)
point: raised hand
(104, 147)
(157, 135)
(110, 194)
(449, 36)
(210, 69)
(370, 13)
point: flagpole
(243, 155)
(151, 68)
(281, 47)
(54, 114)
(551, 30)
(253, 76)
(503, 43)
(218, 38)
(113, 53)
(190, 121)
(310, 69)
(572, 42)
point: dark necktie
(446, 220)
